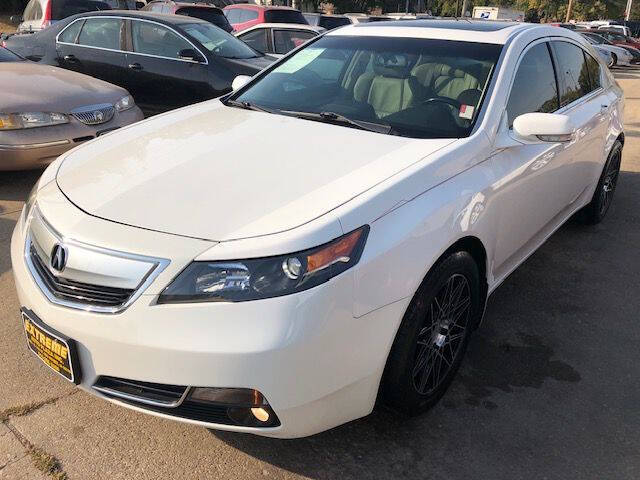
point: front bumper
(37, 147)
(317, 365)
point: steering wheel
(449, 101)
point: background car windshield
(423, 88)
(65, 8)
(219, 42)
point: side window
(594, 72)
(573, 75)
(33, 11)
(101, 32)
(287, 40)
(256, 39)
(154, 39)
(534, 88)
(70, 34)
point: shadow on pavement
(544, 389)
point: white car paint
(279, 26)
(190, 184)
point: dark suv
(326, 21)
(204, 11)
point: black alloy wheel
(433, 335)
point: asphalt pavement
(549, 389)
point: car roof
(260, 7)
(165, 18)
(481, 31)
(285, 26)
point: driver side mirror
(544, 127)
(240, 81)
(191, 55)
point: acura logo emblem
(98, 115)
(58, 257)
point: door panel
(97, 50)
(533, 187)
(580, 76)
(159, 80)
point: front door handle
(604, 108)
(135, 66)
(70, 58)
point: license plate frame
(59, 353)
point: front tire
(596, 210)
(433, 335)
(614, 60)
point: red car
(244, 15)
(618, 38)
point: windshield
(421, 88)
(8, 56)
(219, 42)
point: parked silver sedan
(46, 111)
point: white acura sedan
(327, 235)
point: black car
(164, 61)
(326, 21)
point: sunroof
(473, 25)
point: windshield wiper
(332, 117)
(247, 106)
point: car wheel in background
(596, 210)
(433, 335)
(614, 60)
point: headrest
(393, 64)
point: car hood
(221, 173)
(28, 87)
(249, 66)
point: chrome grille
(82, 276)
(78, 292)
(94, 114)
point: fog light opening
(261, 414)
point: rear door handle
(135, 66)
(70, 58)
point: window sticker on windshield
(300, 60)
(466, 111)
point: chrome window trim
(58, 42)
(136, 398)
(158, 265)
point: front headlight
(18, 121)
(125, 103)
(242, 280)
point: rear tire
(433, 335)
(596, 210)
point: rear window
(333, 22)
(65, 8)
(210, 15)
(284, 16)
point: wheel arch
(474, 247)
